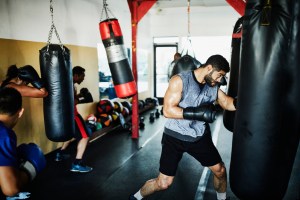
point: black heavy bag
(228, 116)
(121, 73)
(56, 70)
(185, 63)
(266, 130)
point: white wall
(77, 23)
(76, 20)
(204, 21)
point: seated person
(18, 165)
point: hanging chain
(106, 10)
(188, 12)
(188, 44)
(51, 29)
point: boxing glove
(205, 112)
(28, 74)
(223, 81)
(32, 159)
(85, 96)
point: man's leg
(78, 165)
(207, 154)
(220, 179)
(170, 156)
(81, 146)
(61, 154)
(83, 137)
(162, 182)
(66, 144)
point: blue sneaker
(80, 168)
(61, 156)
(20, 195)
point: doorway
(163, 56)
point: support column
(238, 5)
(138, 9)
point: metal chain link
(188, 44)
(51, 30)
(188, 13)
(106, 10)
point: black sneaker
(131, 197)
(61, 156)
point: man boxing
(18, 165)
(188, 105)
(19, 78)
(81, 133)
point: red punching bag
(122, 76)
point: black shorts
(202, 150)
(81, 130)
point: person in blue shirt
(18, 164)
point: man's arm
(85, 96)
(12, 180)
(172, 98)
(76, 96)
(225, 101)
(172, 110)
(27, 91)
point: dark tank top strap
(4, 83)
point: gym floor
(122, 165)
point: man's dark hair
(12, 72)
(177, 54)
(78, 70)
(218, 62)
(10, 101)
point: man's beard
(209, 80)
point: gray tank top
(192, 96)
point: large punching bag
(122, 76)
(185, 63)
(266, 131)
(56, 71)
(232, 90)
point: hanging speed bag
(56, 71)
(266, 130)
(185, 63)
(122, 76)
(228, 116)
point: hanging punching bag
(228, 116)
(266, 130)
(56, 70)
(185, 63)
(122, 76)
